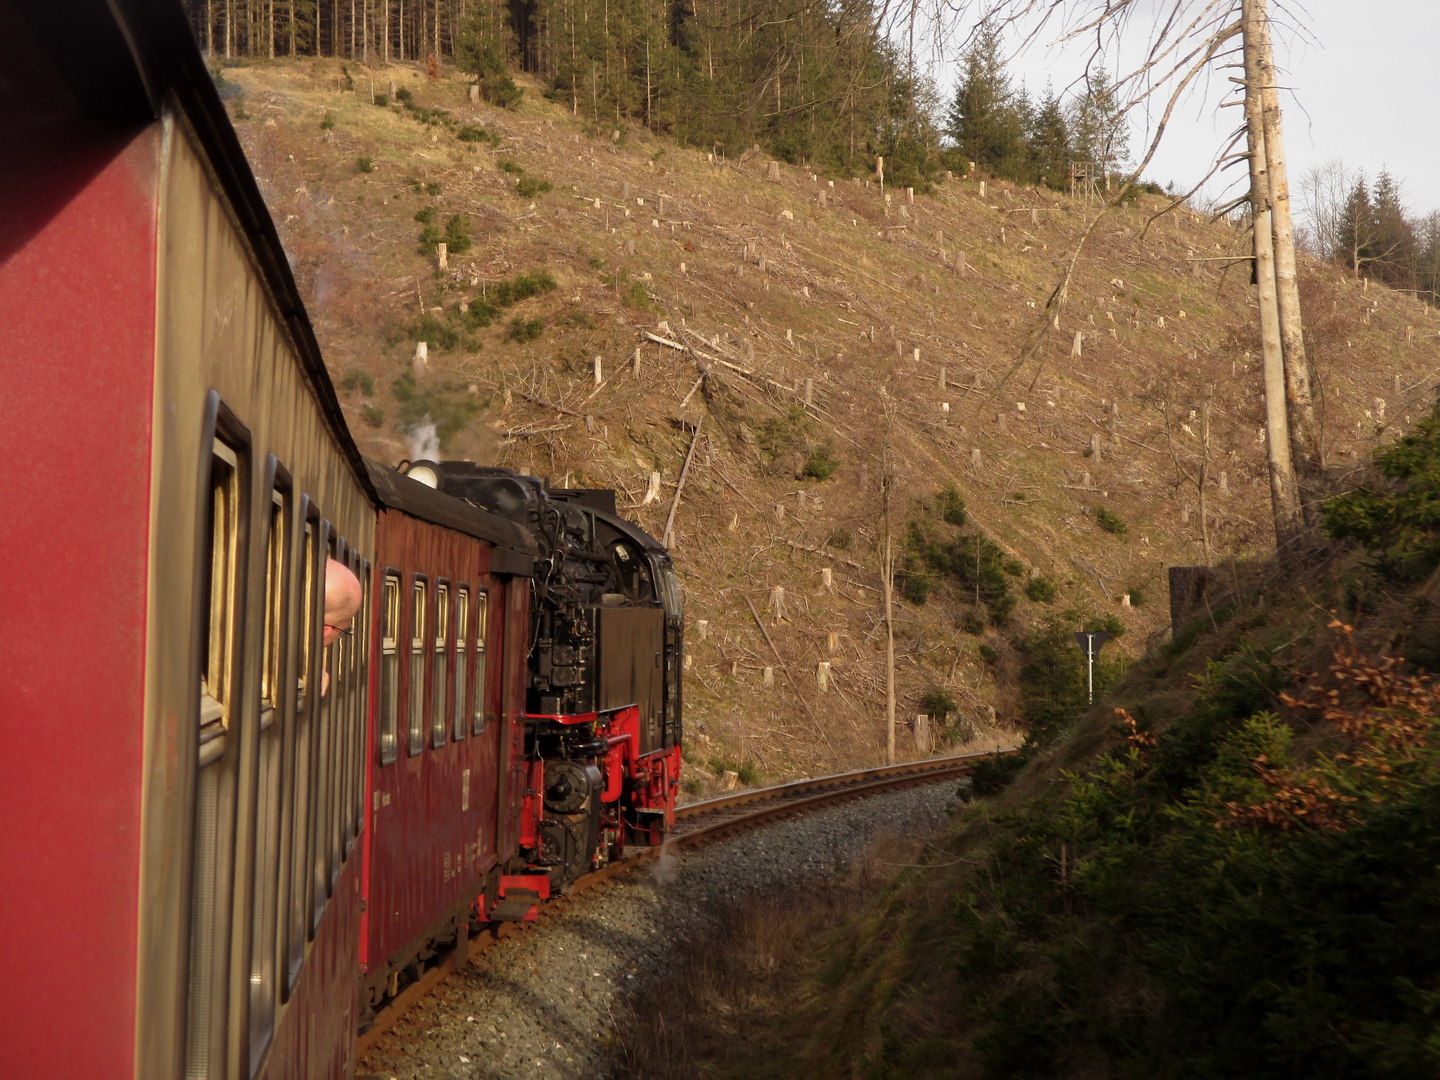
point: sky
(1364, 85)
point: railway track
(695, 824)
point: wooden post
(635, 363)
(942, 378)
(599, 376)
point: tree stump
(652, 490)
(820, 198)
(809, 391)
(975, 458)
(822, 676)
(942, 378)
(442, 256)
(1000, 423)
(635, 363)
(1075, 345)
(959, 262)
(474, 93)
(630, 247)
(702, 627)
(767, 677)
(1095, 448)
(1224, 482)
(772, 172)
(597, 364)
(922, 734)
(421, 360)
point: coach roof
(399, 492)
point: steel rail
(781, 800)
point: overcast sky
(1366, 88)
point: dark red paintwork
(77, 233)
(428, 848)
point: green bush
(472, 134)
(457, 234)
(1111, 522)
(780, 435)
(1137, 596)
(382, 100)
(365, 164)
(374, 416)
(988, 653)
(404, 96)
(523, 330)
(991, 775)
(480, 55)
(950, 506)
(1040, 589)
(636, 296)
(528, 187)
(915, 587)
(358, 379)
(840, 539)
(1014, 567)
(506, 165)
(521, 287)
(937, 703)
(327, 121)
(425, 215)
(973, 621)
(1396, 516)
(821, 464)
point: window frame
(388, 711)
(415, 710)
(480, 683)
(441, 637)
(459, 716)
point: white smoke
(423, 441)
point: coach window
(264, 903)
(364, 641)
(440, 671)
(389, 736)
(305, 622)
(327, 710)
(210, 903)
(462, 665)
(477, 700)
(417, 666)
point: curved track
(695, 824)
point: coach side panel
(254, 779)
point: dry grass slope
(806, 316)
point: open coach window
(220, 582)
(482, 626)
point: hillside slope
(825, 330)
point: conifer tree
(984, 120)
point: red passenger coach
(446, 773)
(182, 800)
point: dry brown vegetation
(807, 324)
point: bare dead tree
(1190, 40)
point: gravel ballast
(544, 1003)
